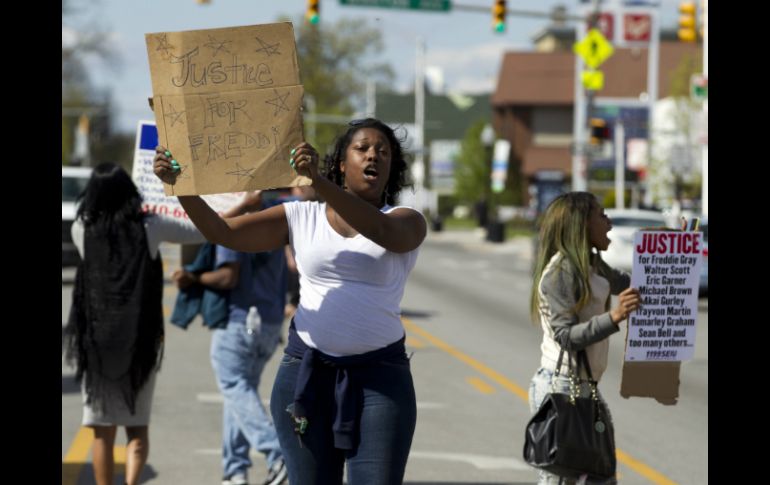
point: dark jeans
(387, 417)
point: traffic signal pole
(582, 112)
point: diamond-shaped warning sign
(594, 48)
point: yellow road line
(623, 457)
(642, 469)
(119, 455)
(481, 368)
(480, 385)
(76, 456)
(119, 452)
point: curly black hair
(397, 178)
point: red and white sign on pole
(606, 25)
(637, 27)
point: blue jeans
(538, 388)
(238, 358)
(387, 417)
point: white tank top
(350, 288)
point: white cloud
(473, 69)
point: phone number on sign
(164, 210)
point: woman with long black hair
(115, 330)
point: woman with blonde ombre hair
(571, 298)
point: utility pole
(418, 166)
(620, 165)
(82, 152)
(583, 111)
(371, 98)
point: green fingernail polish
(168, 153)
(174, 162)
(293, 150)
(291, 162)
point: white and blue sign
(500, 165)
(154, 199)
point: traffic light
(599, 131)
(498, 16)
(686, 30)
(312, 11)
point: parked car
(73, 181)
(625, 222)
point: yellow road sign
(594, 48)
(593, 80)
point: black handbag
(571, 436)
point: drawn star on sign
(217, 46)
(164, 46)
(174, 115)
(593, 48)
(268, 49)
(279, 102)
(241, 172)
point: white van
(73, 181)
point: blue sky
(461, 43)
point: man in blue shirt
(239, 352)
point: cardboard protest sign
(228, 105)
(661, 334)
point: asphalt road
(474, 351)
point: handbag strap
(581, 358)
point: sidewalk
(474, 240)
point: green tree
(335, 62)
(472, 167)
(671, 183)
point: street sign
(594, 48)
(500, 165)
(606, 25)
(442, 166)
(699, 87)
(637, 27)
(435, 5)
(593, 80)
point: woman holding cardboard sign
(344, 390)
(571, 299)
